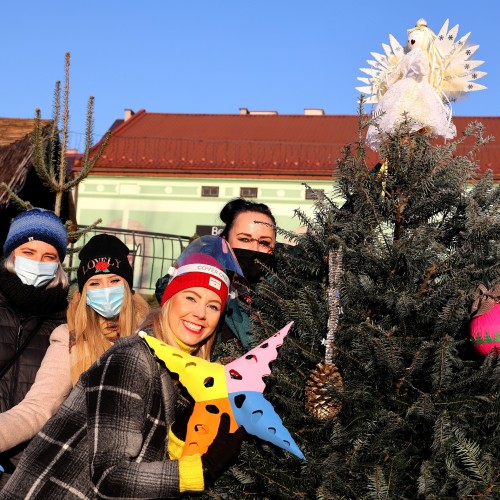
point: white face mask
(106, 301)
(33, 272)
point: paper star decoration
(236, 389)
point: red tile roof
(247, 146)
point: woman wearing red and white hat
(112, 437)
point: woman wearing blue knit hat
(33, 302)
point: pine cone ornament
(325, 381)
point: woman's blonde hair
(61, 278)
(163, 331)
(87, 341)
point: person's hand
(179, 427)
(223, 452)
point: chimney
(263, 112)
(128, 114)
(314, 112)
(246, 111)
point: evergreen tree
(50, 162)
(401, 408)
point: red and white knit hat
(198, 269)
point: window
(314, 194)
(210, 191)
(248, 192)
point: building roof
(14, 129)
(248, 145)
(16, 152)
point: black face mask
(254, 272)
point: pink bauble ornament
(485, 331)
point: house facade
(172, 173)
(185, 206)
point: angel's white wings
(383, 72)
(459, 73)
(453, 73)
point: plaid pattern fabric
(109, 438)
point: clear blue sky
(205, 56)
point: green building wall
(176, 206)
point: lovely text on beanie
(40, 225)
(198, 270)
(104, 254)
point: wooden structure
(16, 170)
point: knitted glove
(179, 427)
(223, 452)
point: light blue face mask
(33, 272)
(106, 301)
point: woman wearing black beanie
(105, 307)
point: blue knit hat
(37, 224)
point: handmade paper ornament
(420, 82)
(484, 327)
(245, 388)
(236, 389)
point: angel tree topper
(419, 82)
(236, 389)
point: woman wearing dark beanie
(102, 309)
(33, 302)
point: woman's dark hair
(239, 205)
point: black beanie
(104, 253)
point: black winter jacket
(26, 314)
(14, 331)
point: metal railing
(151, 254)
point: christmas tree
(377, 381)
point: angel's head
(420, 37)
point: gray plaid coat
(109, 438)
